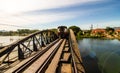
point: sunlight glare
(10, 6)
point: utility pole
(91, 27)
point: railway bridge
(42, 52)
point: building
(98, 32)
(117, 31)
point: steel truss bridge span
(42, 52)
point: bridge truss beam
(25, 47)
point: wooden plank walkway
(66, 68)
(66, 57)
(54, 63)
(18, 64)
(35, 66)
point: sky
(47, 14)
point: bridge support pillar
(47, 40)
(20, 53)
(43, 43)
(34, 45)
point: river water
(6, 40)
(100, 56)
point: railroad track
(60, 56)
(41, 61)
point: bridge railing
(75, 52)
(26, 47)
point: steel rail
(27, 64)
(48, 60)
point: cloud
(27, 20)
(25, 13)
(32, 19)
(16, 6)
(13, 11)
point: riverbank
(98, 37)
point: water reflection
(90, 61)
(100, 56)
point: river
(6, 40)
(100, 56)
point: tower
(91, 27)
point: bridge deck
(39, 62)
(28, 59)
(54, 63)
(66, 68)
(60, 56)
(65, 57)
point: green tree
(23, 31)
(35, 30)
(76, 29)
(54, 30)
(110, 30)
(79, 34)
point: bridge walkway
(60, 56)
